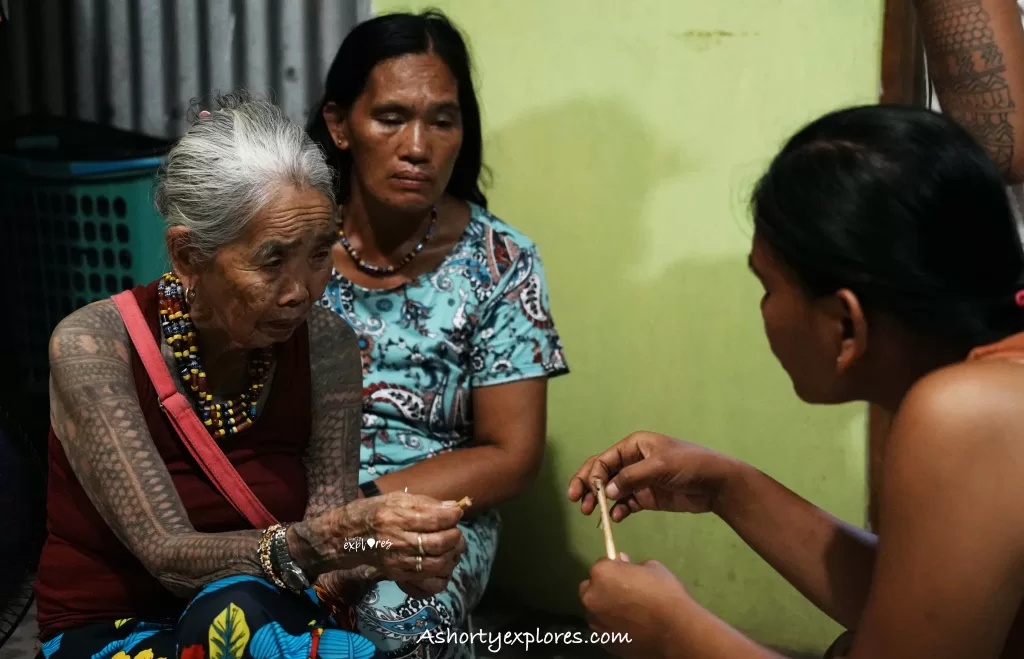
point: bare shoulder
(948, 574)
(94, 330)
(333, 347)
(101, 316)
(90, 367)
(959, 431)
(981, 400)
(325, 325)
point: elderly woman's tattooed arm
(96, 415)
(332, 458)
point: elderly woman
(152, 552)
(449, 302)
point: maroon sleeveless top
(86, 575)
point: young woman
(892, 274)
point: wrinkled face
(260, 288)
(809, 337)
(404, 132)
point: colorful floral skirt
(235, 618)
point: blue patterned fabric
(481, 318)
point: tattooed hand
(398, 522)
(332, 465)
(349, 586)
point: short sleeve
(516, 338)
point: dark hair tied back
(901, 206)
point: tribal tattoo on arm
(969, 69)
(332, 457)
(96, 415)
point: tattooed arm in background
(976, 61)
(96, 415)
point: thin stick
(465, 502)
(606, 520)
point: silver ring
(419, 563)
(419, 539)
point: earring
(190, 295)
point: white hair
(228, 166)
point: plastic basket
(77, 224)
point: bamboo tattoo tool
(465, 502)
(606, 520)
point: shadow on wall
(576, 176)
(535, 547)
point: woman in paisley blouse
(450, 305)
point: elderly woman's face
(261, 287)
(405, 131)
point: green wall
(624, 137)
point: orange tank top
(1011, 349)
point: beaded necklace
(388, 269)
(229, 416)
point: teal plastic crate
(71, 232)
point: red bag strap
(185, 421)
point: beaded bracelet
(264, 556)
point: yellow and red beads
(221, 418)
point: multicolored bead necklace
(389, 269)
(222, 418)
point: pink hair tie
(1019, 298)
(204, 114)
